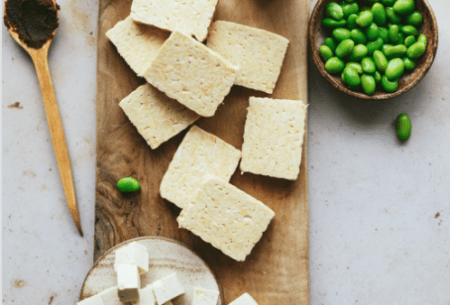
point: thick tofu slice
(132, 254)
(200, 154)
(156, 116)
(205, 297)
(137, 43)
(93, 300)
(111, 297)
(186, 70)
(229, 219)
(273, 137)
(257, 54)
(244, 299)
(167, 288)
(128, 282)
(190, 17)
(146, 296)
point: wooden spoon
(38, 51)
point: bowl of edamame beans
(373, 49)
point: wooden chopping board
(276, 272)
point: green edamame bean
(395, 69)
(349, 1)
(355, 66)
(409, 30)
(403, 127)
(416, 50)
(368, 84)
(404, 7)
(389, 86)
(393, 33)
(325, 52)
(379, 14)
(377, 77)
(358, 53)
(352, 77)
(344, 48)
(384, 34)
(372, 32)
(349, 9)
(374, 45)
(128, 184)
(385, 47)
(401, 38)
(330, 23)
(334, 65)
(409, 41)
(335, 11)
(341, 34)
(388, 2)
(331, 43)
(392, 15)
(409, 63)
(380, 60)
(351, 21)
(368, 65)
(394, 51)
(423, 39)
(415, 19)
(358, 36)
(365, 18)
(343, 79)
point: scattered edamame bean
(380, 60)
(128, 184)
(409, 63)
(403, 127)
(358, 36)
(394, 69)
(389, 86)
(379, 14)
(368, 65)
(404, 7)
(331, 43)
(355, 66)
(358, 53)
(368, 84)
(384, 34)
(393, 33)
(374, 45)
(333, 24)
(325, 52)
(377, 77)
(334, 65)
(352, 77)
(392, 15)
(416, 50)
(344, 48)
(415, 19)
(365, 18)
(372, 32)
(409, 30)
(351, 21)
(394, 51)
(409, 41)
(341, 34)
(335, 11)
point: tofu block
(200, 154)
(205, 296)
(146, 296)
(128, 282)
(257, 54)
(96, 299)
(136, 43)
(273, 137)
(167, 288)
(186, 70)
(229, 219)
(111, 297)
(156, 116)
(132, 254)
(190, 17)
(244, 299)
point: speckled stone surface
(379, 208)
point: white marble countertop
(379, 208)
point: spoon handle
(40, 61)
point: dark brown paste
(34, 20)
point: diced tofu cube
(167, 288)
(132, 254)
(146, 296)
(128, 282)
(205, 296)
(244, 299)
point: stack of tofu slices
(162, 41)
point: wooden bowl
(407, 81)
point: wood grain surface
(276, 272)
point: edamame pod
(409, 30)
(372, 32)
(377, 77)
(409, 63)
(394, 69)
(384, 34)
(374, 45)
(334, 65)
(392, 15)
(365, 18)
(325, 52)
(128, 184)
(368, 84)
(368, 65)
(389, 86)
(355, 66)
(379, 14)
(330, 23)
(349, 9)
(403, 127)
(344, 48)
(352, 77)
(351, 21)
(416, 50)
(334, 10)
(404, 7)
(358, 53)
(393, 33)
(380, 60)
(358, 36)
(331, 43)
(341, 34)
(415, 19)
(409, 41)
(394, 51)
